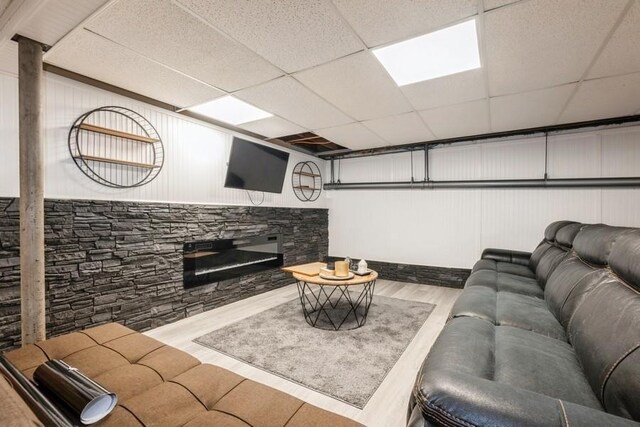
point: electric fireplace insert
(211, 261)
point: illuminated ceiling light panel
(441, 53)
(231, 110)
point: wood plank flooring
(387, 407)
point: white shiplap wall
(449, 228)
(442, 227)
(195, 153)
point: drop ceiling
(310, 62)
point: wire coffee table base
(335, 307)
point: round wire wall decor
(306, 180)
(116, 147)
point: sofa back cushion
(549, 252)
(594, 242)
(567, 234)
(551, 258)
(625, 257)
(604, 328)
(568, 284)
(13, 410)
(553, 228)
(537, 254)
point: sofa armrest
(450, 398)
(506, 255)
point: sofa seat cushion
(503, 267)
(168, 404)
(160, 385)
(480, 374)
(96, 360)
(508, 309)
(198, 381)
(505, 282)
(120, 417)
(169, 362)
(542, 365)
(216, 418)
(109, 332)
(258, 404)
(66, 345)
(129, 381)
(312, 416)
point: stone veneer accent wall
(122, 261)
(421, 274)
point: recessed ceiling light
(230, 110)
(447, 51)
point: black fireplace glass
(209, 261)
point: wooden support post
(32, 284)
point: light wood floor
(387, 407)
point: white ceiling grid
(309, 62)
(290, 98)
(358, 85)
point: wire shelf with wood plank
(306, 181)
(116, 147)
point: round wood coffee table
(336, 304)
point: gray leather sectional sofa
(550, 338)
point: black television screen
(256, 167)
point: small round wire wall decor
(306, 180)
(116, 147)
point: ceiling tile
(529, 109)
(493, 4)
(164, 32)
(56, 18)
(293, 35)
(622, 53)
(603, 98)
(272, 127)
(453, 89)
(91, 55)
(544, 43)
(383, 21)
(354, 136)
(358, 85)
(9, 57)
(288, 98)
(471, 118)
(401, 129)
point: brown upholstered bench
(160, 385)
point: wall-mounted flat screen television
(256, 167)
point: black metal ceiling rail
(623, 182)
(346, 154)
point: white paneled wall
(449, 228)
(9, 156)
(195, 153)
(446, 228)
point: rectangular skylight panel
(441, 53)
(230, 110)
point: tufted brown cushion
(311, 416)
(257, 404)
(215, 418)
(168, 404)
(208, 392)
(129, 381)
(65, 345)
(160, 385)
